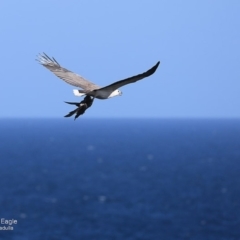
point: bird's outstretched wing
(133, 79)
(66, 75)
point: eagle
(88, 89)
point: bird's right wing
(66, 75)
(132, 79)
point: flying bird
(88, 89)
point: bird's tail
(71, 113)
(79, 93)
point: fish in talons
(81, 107)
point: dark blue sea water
(120, 179)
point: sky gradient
(197, 42)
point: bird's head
(115, 93)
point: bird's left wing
(133, 79)
(66, 75)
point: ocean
(126, 179)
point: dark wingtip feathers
(154, 68)
(44, 59)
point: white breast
(104, 94)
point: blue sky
(197, 42)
